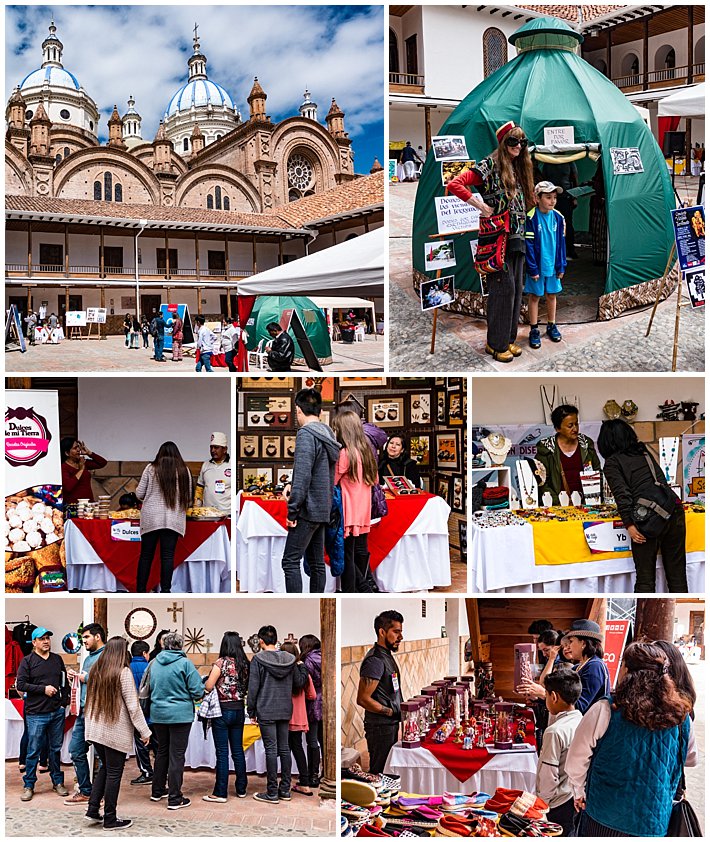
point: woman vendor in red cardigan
(77, 463)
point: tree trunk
(329, 672)
(101, 612)
(654, 619)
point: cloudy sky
(117, 51)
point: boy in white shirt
(562, 690)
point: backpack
(154, 328)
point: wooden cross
(208, 646)
(291, 639)
(175, 610)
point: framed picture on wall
(325, 417)
(324, 385)
(411, 382)
(447, 451)
(283, 475)
(268, 411)
(289, 447)
(454, 409)
(362, 382)
(440, 406)
(442, 487)
(257, 476)
(454, 382)
(419, 449)
(271, 447)
(420, 408)
(271, 383)
(386, 412)
(248, 447)
(457, 496)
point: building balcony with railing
(406, 83)
(668, 77)
(28, 269)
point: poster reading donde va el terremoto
(34, 521)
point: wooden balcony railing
(661, 78)
(93, 271)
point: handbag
(378, 507)
(683, 820)
(652, 511)
(492, 243)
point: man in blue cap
(43, 677)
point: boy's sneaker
(93, 818)
(183, 802)
(119, 824)
(286, 796)
(534, 338)
(159, 796)
(553, 333)
(269, 799)
(141, 780)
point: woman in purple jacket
(311, 657)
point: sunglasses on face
(522, 142)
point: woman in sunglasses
(503, 181)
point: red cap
(503, 130)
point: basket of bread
(34, 543)
(205, 513)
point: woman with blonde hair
(112, 713)
(504, 181)
(356, 473)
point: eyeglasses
(522, 142)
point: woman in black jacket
(627, 471)
(396, 461)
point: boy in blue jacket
(545, 259)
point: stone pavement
(111, 354)
(616, 345)
(46, 814)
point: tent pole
(677, 324)
(660, 289)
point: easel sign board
(437, 292)
(169, 311)
(13, 325)
(290, 320)
(76, 318)
(689, 232)
(96, 315)
(392, 169)
(695, 281)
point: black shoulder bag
(654, 508)
(683, 821)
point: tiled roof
(359, 193)
(570, 12)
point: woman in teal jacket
(175, 686)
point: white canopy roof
(332, 302)
(355, 265)
(690, 102)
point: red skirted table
(96, 562)
(14, 726)
(409, 548)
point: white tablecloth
(205, 571)
(44, 335)
(504, 561)
(418, 562)
(14, 726)
(421, 772)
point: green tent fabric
(268, 308)
(547, 84)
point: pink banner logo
(27, 436)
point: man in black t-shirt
(380, 690)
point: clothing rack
(17, 622)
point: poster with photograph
(450, 147)
(454, 216)
(450, 169)
(695, 282)
(439, 255)
(625, 161)
(437, 292)
(420, 408)
(419, 449)
(463, 540)
(689, 232)
(386, 412)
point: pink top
(357, 497)
(299, 717)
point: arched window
(670, 59)
(394, 53)
(97, 191)
(301, 176)
(293, 195)
(495, 51)
(210, 202)
(58, 158)
(108, 186)
(185, 144)
(67, 152)
(118, 193)
(225, 203)
(218, 197)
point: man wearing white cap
(214, 484)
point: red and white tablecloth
(14, 727)
(409, 548)
(96, 563)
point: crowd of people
(340, 465)
(164, 493)
(144, 702)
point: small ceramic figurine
(521, 733)
(467, 744)
(439, 736)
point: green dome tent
(546, 85)
(268, 308)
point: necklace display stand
(497, 446)
(668, 448)
(527, 485)
(547, 499)
(564, 498)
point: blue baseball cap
(41, 632)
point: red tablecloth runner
(463, 764)
(217, 361)
(121, 557)
(402, 512)
(19, 705)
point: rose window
(300, 172)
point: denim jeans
(229, 359)
(107, 782)
(41, 726)
(158, 343)
(170, 760)
(168, 539)
(43, 749)
(205, 360)
(134, 340)
(276, 748)
(79, 748)
(227, 732)
(306, 538)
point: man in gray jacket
(273, 678)
(311, 495)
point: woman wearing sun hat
(503, 181)
(583, 645)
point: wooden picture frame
(269, 412)
(454, 383)
(448, 451)
(288, 446)
(442, 487)
(439, 404)
(248, 446)
(283, 474)
(458, 494)
(272, 383)
(419, 405)
(420, 449)
(454, 408)
(411, 382)
(258, 474)
(271, 447)
(362, 382)
(386, 412)
(325, 386)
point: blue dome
(57, 77)
(199, 92)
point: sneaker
(242, 794)
(285, 797)
(43, 770)
(269, 799)
(215, 799)
(553, 333)
(183, 802)
(141, 780)
(534, 338)
(119, 824)
(60, 789)
(93, 818)
(159, 797)
(77, 798)
(27, 794)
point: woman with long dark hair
(632, 472)
(629, 750)
(309, 645)
(582, 645)
(77, 464)
(158, 645)
(679, 672)
(166, 491)
(356, 473)
(504, 181)
(230, 675)
(397, 462)
(112, 714)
